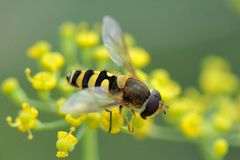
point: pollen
(116, 122)
(75, 120)
(39, 49)
(52, 61)
(26, 119)
(65, 143)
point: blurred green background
(178, 34)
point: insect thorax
(135, 92)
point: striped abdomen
(90, 78)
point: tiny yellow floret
(140, 58)
(220, 147)
(87, 39)
(75, 120)
(117, 121)
(67, 30)
(59, 103)
(161, 81)
(192, 125)
(140, 127)
(101, 54)
(222, 122)
(142, 75)
(93, 120)
(38, 50)
(26, 119)
(216, 76)
(9, 85)
(52, 61)
(65, 143)
(42, 81)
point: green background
(178, 34)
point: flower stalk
(90, 145)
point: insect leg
(125, 117)
(133, 119)
(120, 109)
(110, 120)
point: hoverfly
(101, 89)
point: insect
(102, 89)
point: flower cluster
(208, 116)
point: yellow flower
(101, 54)
(225, 115)
(192, 125)
(161, 81)
(43, 81)
(142, 75)
(67, 30)
(9, 85)
(140, 58)
(216, 77)
(180, 107)
(87, 39)
(75, 120)
(65, 143)
(93, 120)
(141, 127)
(220, 147)
(26, 119)
(59, 104)
(117, 121)
(52, 61)
(222, 122)
(38, 50)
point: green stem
(68, 48)
(40, 126)
(81, 132)
(90, 145)
(86, 57)
(42, 106)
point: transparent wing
(114, 42)
(89, 100)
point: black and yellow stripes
(90, 78)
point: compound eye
(156, 94)
(151, 107)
